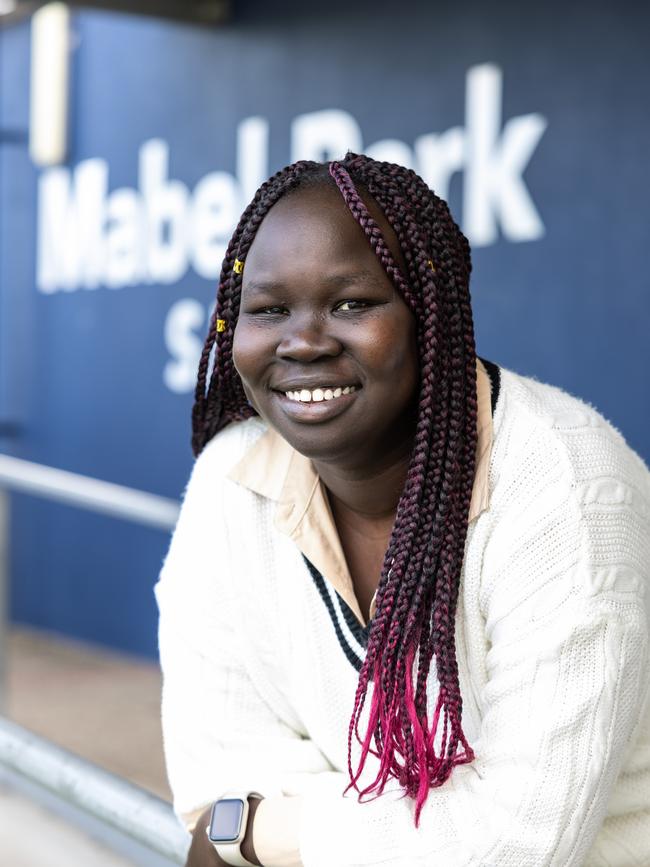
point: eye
(352, 304)
(272, 310)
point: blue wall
(94, 378)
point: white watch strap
(231, 852)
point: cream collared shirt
(273, 469)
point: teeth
(319, 394)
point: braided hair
(418, 588)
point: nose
(307, 339)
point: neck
(370, 491)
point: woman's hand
(203, 854)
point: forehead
(312, 229)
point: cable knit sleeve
(219, 733)
(560, 594)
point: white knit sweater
(552, 645)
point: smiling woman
(390, 554)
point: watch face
(225, 822)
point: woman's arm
(219, 733)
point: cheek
(245, 358)
(238, 353)
(247, 353)
(392, 351)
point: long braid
(410, 615)
(418, 588)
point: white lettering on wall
(324, 135)
(88, 237)
(215, 210)
(71, 223)
(183, 325)
(495, 160)
(166, 204)
(124, 264)
(439, 157)
(392, 150)
(252, 156)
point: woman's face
(320, 320)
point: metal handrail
(116, 803)
(93, 494)
(135, 813)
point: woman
(399, 571)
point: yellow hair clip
(221, 324)
(430, 264)
(238, 267)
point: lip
(315, 412)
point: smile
(319, 394)
(314, 406)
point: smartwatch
(227, 827)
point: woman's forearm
(203, 854)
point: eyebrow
(335, 280)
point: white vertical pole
(50, 70)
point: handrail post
(4, 598)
